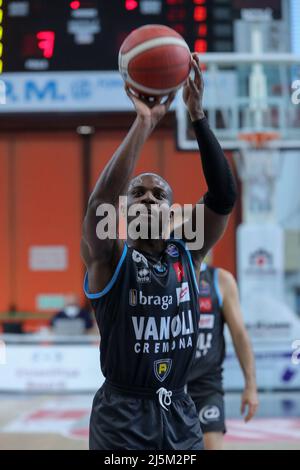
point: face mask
(71, 310)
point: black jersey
(206, 372)
(148, 319)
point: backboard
(247, 93)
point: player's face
(152, 193)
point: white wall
(295, 25)
(288, 190)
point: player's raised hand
(151, 110)
(193, 91)
(250, 400)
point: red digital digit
(202, 29)
(200, 45)
(131, 5)
(200, 13)
(46, 41)
(75, 5)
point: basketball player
(219, 304)
(145, 292)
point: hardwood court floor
(61, 422)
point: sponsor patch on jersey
(204, 288)
(139, 258)
(178, 268)
(139, 298)
(143, 275)
(183, 293)
(162, 368)
(172, 251)
(206, 321)
(209, 414)
(160, 268)
(133, 297)
(205, 304)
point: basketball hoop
(258, 140)
(256, 158)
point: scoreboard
(64, 35)
(47, 46)
(77, 35)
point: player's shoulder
(227, 280)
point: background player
(219, 304)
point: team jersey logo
(143, 275)
(178, 268)
(206, 321)
(159, 334)
(172, 251)
(209, 413)
(205, 304)
(162, 368)
(160, 268)
(183, 293)
(139, 258)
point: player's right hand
(250, 400)
(150, 110)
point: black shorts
(211, 412)
(122, 422)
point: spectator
(72, 319)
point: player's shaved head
(157, 180)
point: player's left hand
(250, 400)
(193, 91)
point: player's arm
(102, 255)
(221, 195)
(233, 317)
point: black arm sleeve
(222, 193)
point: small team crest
(162, 368)
(160, 268)
(204, 288)
(139, 258)
(172, 251)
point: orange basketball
(154, 60)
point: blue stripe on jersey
(190, 260)
(111, 282)
(217, 287)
